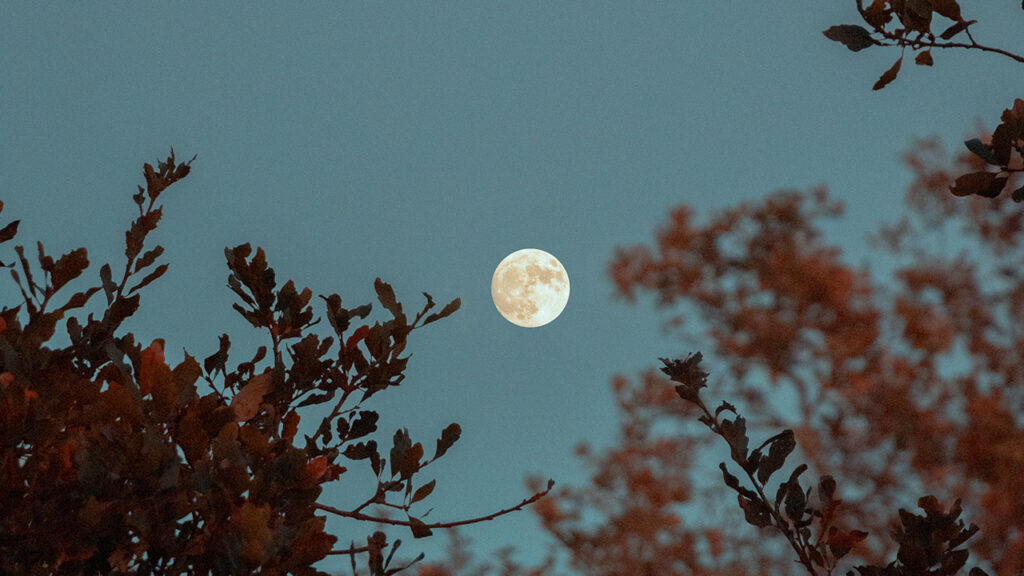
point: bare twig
(398, 522)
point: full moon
(530, 287)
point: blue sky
(423, 142)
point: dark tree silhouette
(111, 461)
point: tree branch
(919, 43)
(397, 522)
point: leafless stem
(398, 522)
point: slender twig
(398, 522)
(932, 43)
(350, 551)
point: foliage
(896, 380)
(114, 462)
(927, 544)
(908, 24)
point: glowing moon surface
(530, 287)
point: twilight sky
(423, 142)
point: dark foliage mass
(112, 461)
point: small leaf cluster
(1005, 151)
(928, 545)
(908, 24)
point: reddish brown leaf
(889, 75)
(151, 360)
(419, 529)
(987, 184)
(246, 403)
(356, 336)
(252, 523)
(854, 37)
(948, 8)
(386, 295)
(9, 231)
(150, 277)
(875, 14)
(291, 425)
(68, 267)
(955, 29)
(448, 310)
(448, 437)
(316, 467)
(423, 491)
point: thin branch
(350, 551)
(973, 45)
(396, 522)
(932, 44)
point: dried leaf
(291, 425)
(448, 309)
(987, 184)
(979, 149)
(735, 433)
(150, 277)
(423, 491)
(217, 360)
(948, 8)
(955, 29)
(246, 403)
(755, 512)
(9, 231)
(854, 37)
(796, 501)
(923, 58)
(151, 359)
(889, 75)
(316, 467)
(256, 535)
(419, 529)
(876, 14)
(365, 424)
(109, 288)
(148, 258)
(448, 437)
(386, 295)
(79, 299)
(360, 450)
(781, 446)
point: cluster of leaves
(908, 24)
(1004, 150)
(928, 545)
(113, 461)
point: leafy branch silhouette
(908, 24)
(928, 545)
(112, 461)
